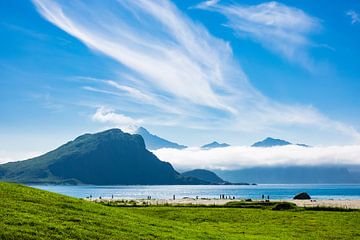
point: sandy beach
(348, 204)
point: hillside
(154, 142)
(106, 158)
(204, 175)
(36, 214)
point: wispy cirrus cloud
(355, 17)
(176, 72)
(280, 28)
(173, 59)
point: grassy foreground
(27, 213)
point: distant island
(205, 175)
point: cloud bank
(239, 157)
(174, 72)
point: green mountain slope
(106, 158)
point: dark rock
(302, 196)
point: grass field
(27, 213)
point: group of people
(222, 196)
(263, 197)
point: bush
(284, 206)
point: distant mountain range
(114, 157)
(215, 145)
(273, 142)
(154, 142)
(106, 158)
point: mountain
(291, 175)
(106, 158)
(154, 142)
(272, 142)
(204, 175)
(215, 145)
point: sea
(274, 191)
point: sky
(189, 71)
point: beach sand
(351, 204)
(348, 204)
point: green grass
(27, 213)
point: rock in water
(302, 196)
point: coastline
(330, 203)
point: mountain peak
(272, 142)
(154, 142)
(142, 130)
(215, 144)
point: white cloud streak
(278, 27)
(177, 73)
(181, 59)
(238, 157)
(108, 116)
(355, 17)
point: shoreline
(330, 203)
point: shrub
(284, 206)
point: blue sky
(190, 71)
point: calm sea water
(275, 191)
